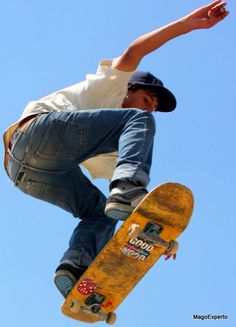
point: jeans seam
(144, 138)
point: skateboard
(148, 233)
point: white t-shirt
(105, 89)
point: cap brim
(166, 99)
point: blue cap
(166, 100)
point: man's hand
(204, 17)
(207, 16)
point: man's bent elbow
(129, 60)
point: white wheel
(134, 231)
(75, 306)
(111, 318)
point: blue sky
(47, 45)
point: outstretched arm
(202, 18)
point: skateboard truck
(150, 234)
(92, 306)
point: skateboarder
(94, 124)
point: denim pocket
(62, 140)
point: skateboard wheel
(174, 246)
(75, 306)
(111, 318)
(134, 231)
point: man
(94, 124)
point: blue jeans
(44, 163)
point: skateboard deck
(141, 240)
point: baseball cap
(166, 99)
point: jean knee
(149, 120)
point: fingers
(218, 11)
(213, 4)
(219, 7)
(216, 5)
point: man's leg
(91, 234)
(62, 140)
(56, 143)
(129, 181)
(73, 192)
(95, 229)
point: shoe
(123, 199)
(66, 276)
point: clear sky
(47, 45)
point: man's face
(141, 99)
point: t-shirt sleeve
(107, 87)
